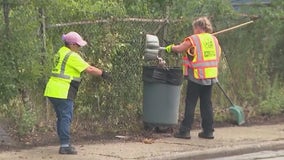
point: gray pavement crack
(190, 144)
(112, 156)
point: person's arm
(82, 66)
(184, 46)
(93, 71)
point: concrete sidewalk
(228, 141)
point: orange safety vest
(206, 56)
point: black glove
(106, 75)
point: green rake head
(238, 114)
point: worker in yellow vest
(63, 85)
(200, 66)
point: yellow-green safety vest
(206, 56)
(66, 74)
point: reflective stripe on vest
(185, 65)
(204, 64)
(206, 59)
(62, 70)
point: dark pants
(204, 92)
(64, 114)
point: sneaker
(206, 135)
(67, 150)
(183, 135)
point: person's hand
(168, 48)
(106, 75)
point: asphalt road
(264, 155)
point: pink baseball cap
(74, 38)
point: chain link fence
(115, 45)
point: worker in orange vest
(200, 66)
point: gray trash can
(161, 95)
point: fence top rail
(145, 20)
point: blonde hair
(203, 23)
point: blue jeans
(64, 114)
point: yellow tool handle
(232, 28)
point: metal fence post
(44, 53)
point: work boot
(67, 150)
(183, 133)
(206, 135)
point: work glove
(168, 48)
(106, 75)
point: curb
(223, 151)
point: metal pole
(43, 29)
(43, 52)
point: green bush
(274, 102)
(21, 117)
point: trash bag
(154, 74)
